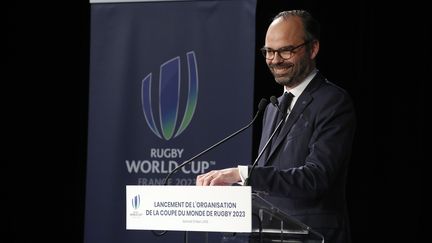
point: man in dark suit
(304, 170)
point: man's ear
(314, 49)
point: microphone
(275, 102)
(261, 106)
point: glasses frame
(289, 49)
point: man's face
(287, 34)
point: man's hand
(223, 177)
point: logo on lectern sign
(136, 201)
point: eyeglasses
(285, 52)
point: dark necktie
(283, 106)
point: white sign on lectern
(189, 208)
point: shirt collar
(298, 90)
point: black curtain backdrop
(380, 54)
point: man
(304, 170)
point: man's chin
(282, 80)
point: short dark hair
(310, 24)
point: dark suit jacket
(304, 172)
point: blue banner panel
(167, 80)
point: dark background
(379, 54)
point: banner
(168, 79)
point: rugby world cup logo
(169, 98)
(136, 202)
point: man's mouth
(281, 69)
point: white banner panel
(189, 208)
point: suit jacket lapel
(301, 103)
(267, 131)
(298, 108)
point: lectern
(271, 224)
(237, 214)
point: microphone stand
(261, 107)
(263, 149)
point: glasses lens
(286, 54)
(268, 54)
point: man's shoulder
(327, 92)
(328, 88)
